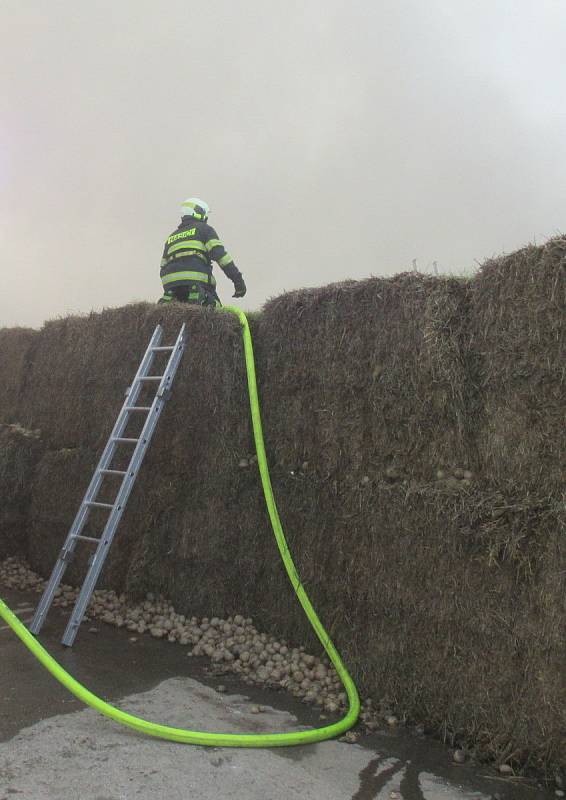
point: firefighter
(186, 266)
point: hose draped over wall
(200, 737)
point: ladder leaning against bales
(116, 508)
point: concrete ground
(52, 747)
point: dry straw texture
(16, 345)
(519, 308)
(415, 433)
(20, 452)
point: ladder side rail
(82, 515)
(172, 365)
(123, 494)
(49, 592)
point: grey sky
(331, 139)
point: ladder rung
(137, 408)
(113, 472)
(98, 505)
(151, 378)
(162, 349)
(123, 439)
(87, 538)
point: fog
(332, 140)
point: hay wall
(414, 428)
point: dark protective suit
(186, 266)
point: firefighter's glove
(240, 287)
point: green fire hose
(200, 737)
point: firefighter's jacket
(189, 253)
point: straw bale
(369, 378)
(20, 452)
(16, 348)
(518, 315)
(83, 365)
(59, 483)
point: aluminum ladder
(115, 509)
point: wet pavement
(51, 747)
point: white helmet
(193, 207)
